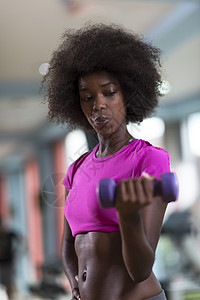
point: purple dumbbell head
(106, 192)
(169, 187)
(166, 187)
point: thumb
(147, 176)
(76, 293)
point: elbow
(141, 277)
(141, 272)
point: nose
(99, 103)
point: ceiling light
(165, 87)
(151, 128)
(193, 133)
(44, 68)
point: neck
(111, 144)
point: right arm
(69, 258)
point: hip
(160, 296)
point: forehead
(97, 77)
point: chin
(105, 132)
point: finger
(121, 191)
(148, 189)
(139, 189)
(130, 190)
(76, 297)
(75, 293)
(148, 176)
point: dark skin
(114, 265)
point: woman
(103, 77)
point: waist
(114, 283)
(160, 296)
(102, 273)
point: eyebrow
(108, 83)
(102, 85)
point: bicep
(152, 216)
(154, 162)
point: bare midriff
(102, 273)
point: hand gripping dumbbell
(166, 187)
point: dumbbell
(166, 187)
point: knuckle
(122, 181)
(145, 180)
(149, 199)
(125, 198)
(121, 184)
(133, 199)
(147, 183)
(143, 201)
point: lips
(101, 120)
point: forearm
(137, 253)
(70, 262)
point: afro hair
(101, 47)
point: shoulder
(143, 148)
(151, 159)
(68, 179)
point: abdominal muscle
(102, 273)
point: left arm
(140, 217)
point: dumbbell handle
(166, 187)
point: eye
(109, 93)
(86, 99)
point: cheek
(83, 108)
(120, 113)
(86, 111)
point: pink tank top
(82, 209)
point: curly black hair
(100, 47)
